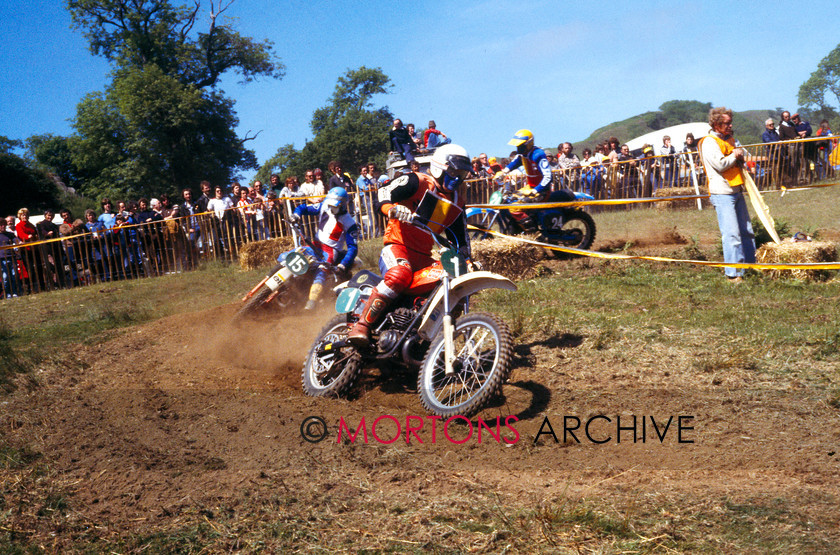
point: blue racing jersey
(333, 231)
(537, 170)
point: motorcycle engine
(396, 323)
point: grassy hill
(749, 125)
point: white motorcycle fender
(460, 287)
(275, 281)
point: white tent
(676, 132)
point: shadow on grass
(523, 356)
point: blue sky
(481, 69)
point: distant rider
(537, 172)
(335, 228)
(408, 248)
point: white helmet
(453, 163)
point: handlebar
(298, 234)
(440, 240)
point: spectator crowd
(145, 237)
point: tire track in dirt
(192, 413)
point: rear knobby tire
(483, 348)
(331, 374)
(582, 227)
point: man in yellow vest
(724, 163)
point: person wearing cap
(432, 138)
(495, 166)
(649, 169)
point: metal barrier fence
(179, 244)
(173, 245)
(773, 165)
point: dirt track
(189, 419)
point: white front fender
(460, 287)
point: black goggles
(458, 166)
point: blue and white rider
(336, 230)
(537, 172)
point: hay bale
(507, 257)
(790, 251)
(258, 254)
(679, 192)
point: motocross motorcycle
(288, 283)
(462, 357)
(563, 226)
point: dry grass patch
(789, 251)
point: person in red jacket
(408, 248)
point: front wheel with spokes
(331, 368)
(482, 359)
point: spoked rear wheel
(578, 232)
(329, 371)
(483, 348)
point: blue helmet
(337, 198)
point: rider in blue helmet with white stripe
(337, 230)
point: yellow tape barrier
(515, 206)
(578, 203)
(596, 254)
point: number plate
(297, 263)
(347, 300)
(453, 263)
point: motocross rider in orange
(408, 249)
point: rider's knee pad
(397, 278)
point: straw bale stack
(789, 251)
(679, 192)
(258, 254)
(507, 257)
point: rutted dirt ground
(192, 419)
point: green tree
(136, 33)
(20, 185)
(161, 124)
(823, 82)
(7, 145)
(349, 128)
(278, 163)
(54, 154)
(820, 93)
(675, 112)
